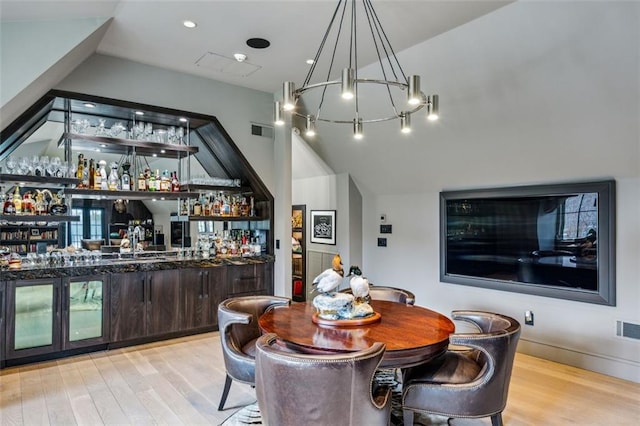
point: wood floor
(180, 381)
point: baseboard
(611, 366)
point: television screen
(550, 240)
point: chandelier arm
(322, 43)
(369, 12)
(354, 32)
(393, 53)
(335, 48)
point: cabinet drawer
(247, 284)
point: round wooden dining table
(412, 334)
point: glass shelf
(129, 195)
(111, 145)
(39, 180)
(38, 218)
(216, 218)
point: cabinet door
(33, 317)
(3, 310)
(163, 301)
(85, 312)
(195, 313)
(128, 306)
(216, 279)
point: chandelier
(352, 98)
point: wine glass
(11, 164)
(63, 169)
(54, 167)
(180, 135)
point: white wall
(568, 113)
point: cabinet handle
(208, 284)
(144, 290)
(1, 305)
(201, 275)
(67, 296)
(56, 298)
(150, 288)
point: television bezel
(606, 293)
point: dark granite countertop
(126, 265)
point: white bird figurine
(359, 285)
(331, 278)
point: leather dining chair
(238, 325)
(318, 390)
(391, 294)
(468, 384)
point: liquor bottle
(125, 180)
(80, 169)
(217, 206)
(8, 207)
(142, 182)
(147, 177)
(235, 207)
(197, 208)
(113, 180)
(17, 201)
(85, 175)
(226, 207)
(157, 179)
(97, 178)
(175, 184)
(152, 182)
(165, 181)
(92, 174)
(27, 203)
(104, 185)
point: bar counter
(140, 263)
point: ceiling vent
(218, 63)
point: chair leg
(225, 392)
(407, 417)
(496, 419)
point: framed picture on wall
(323, 226)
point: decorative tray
(375, 317)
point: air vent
(627, 329)
(218, 63)
(262, 130)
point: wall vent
(262, 130)
(627, 329)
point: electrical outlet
(528, 317)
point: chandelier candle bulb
(311, 127)
(405, 122)
(347, 83)
(287, 96)
(357, 128)
(433, 108)
(413, 92)
(278, 121)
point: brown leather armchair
(472, 383)
(238, 325)
(392, 294)
(318, 390)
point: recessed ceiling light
(182, 120)
(310, 61)
(139, 113)
(258, 43)
(89, 105)
(189, 24)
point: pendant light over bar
(354, 89)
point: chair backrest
(310, 389)
(496, 342)
(238, 325)
(392, 294)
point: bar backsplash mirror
(547, 240)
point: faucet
(135, 235)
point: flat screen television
(547, 240)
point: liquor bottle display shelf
(38, 218)
(98, 194)
(127, 146)
(175, 218)
(190, 187)
(48, 181)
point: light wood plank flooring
(179, 382)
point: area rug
(250, 414)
